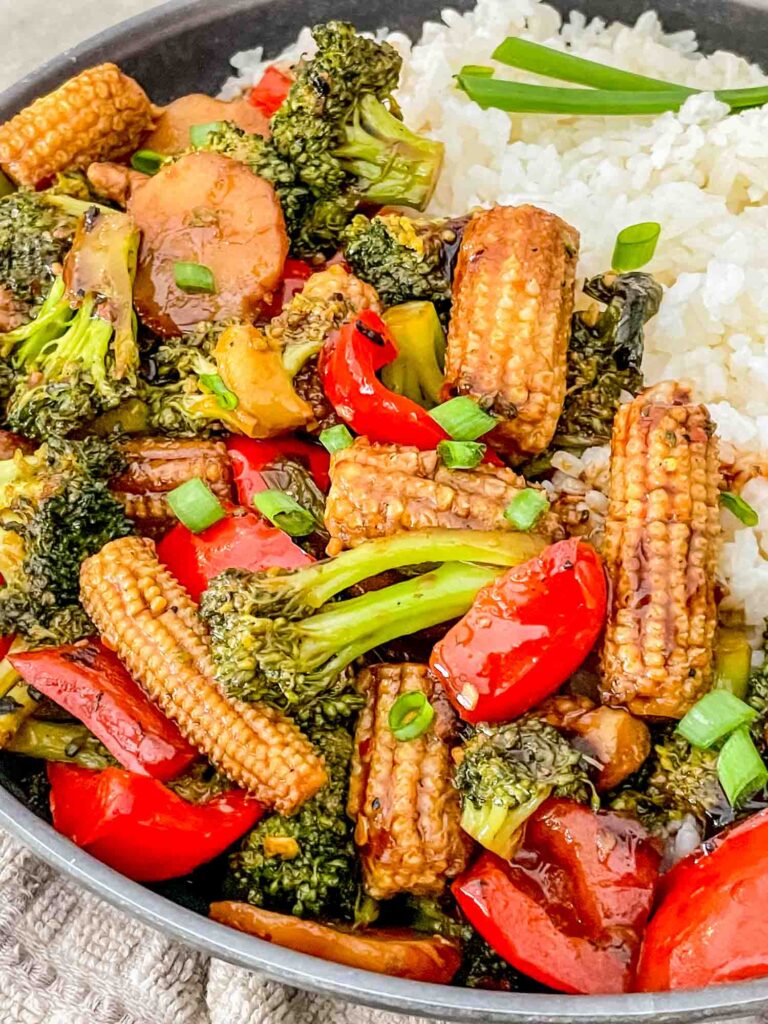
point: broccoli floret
(36, 232)
(73, 363)
(605, 355)
(336, 141)
(55, 511)
(508, 771)
(306, 864)
(682, 779)
(417, 372)
(404, 259)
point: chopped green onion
(195, 505)
(635, 246)
(543, 60)
(521, 98)
(463, 419)
(733, 661)
(410, 716)
(147, 161)
(194, 277)
(740, 508)
(334, 439)
(285, 513)
(477, 69)
(740, 768)
(525, 508)
(226, 399)
(461, 454)
(714, 717)
(198, 133)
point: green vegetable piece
(199, 133)
(417, 372)
(635, 246)
(740, 768)
(733, 662)
(227, 399)
(463, 419)
(525, 509)
(481, 70)
(148, 161)
(195, 505)
(410, 716)
(336, 438)
(6, 185)
(461, 454)
(740, 508)
(285, 513)
(714, 717)
(194, 277)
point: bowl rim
(309, 973)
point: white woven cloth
(66, 957)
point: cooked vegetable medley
(301, 574)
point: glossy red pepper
(89, 682)
(243, 540)
(249, 457)
(710, 925)
(140, 827)
(270, 91)
(6, 642)
(524, 635)
(296, 273)
(570, 909)
(348, 364)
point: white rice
(702, 174)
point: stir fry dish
(353, 568)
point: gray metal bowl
(184, 47)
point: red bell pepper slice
(140, 827)
(348, 364)
(296, 273)
(6, 642)
(249, 457)
(710, 925)
(270, 91)
(525, 634)
(90, 682)
(570, 909)
(239, 541)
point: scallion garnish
(461, 454)
(195, 505)
(334, 439)
(410, 716)
(224, 397)
(635, 246)
(525, 509)
(740, 508)
(198, 133)
(477, 69)
(714, 717)
(285, 513)
(463, 419)
(740, 768)
(147, 161)
(543, 60)
(521, 98)
(194, 277)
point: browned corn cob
(378, 490)
(661, 545)
(99, 114)
(510, 322)
(157, 465)
(400, 794)
(143, 613)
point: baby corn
(100, 114)
(510, 322)
(400, 793)
(151, 622)
(378, 490)
(661, 546)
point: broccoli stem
(418, 370)
(70, 742)
(497, 826)
(310, 588)
(54, 313)
(334, 639)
